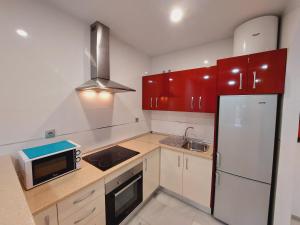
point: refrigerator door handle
(218, 160)
(218, 179)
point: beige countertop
(43, 196)
(14, 209)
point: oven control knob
(78, 152)
(78, 159)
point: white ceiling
(145, 24)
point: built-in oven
(123, 195)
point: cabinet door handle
(241, 81)
(217, 179)
(156, 102)
(200, 102)
(85, 197)
(254, 79)
(86, 216)
(179, 161)
(47, 220)
(192, 103)
(151, 102)
(146, 164)
(186, 163)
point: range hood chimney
(100, 74)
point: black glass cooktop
(110, 157)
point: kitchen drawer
(91, 214)
(47, 217)
(76, 201)
(96, 220)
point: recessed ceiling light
(176, 15)
(206, 77)
(205, 62)
(22, 33)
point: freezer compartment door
(239, 201)
(246, 135)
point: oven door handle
(127, 186)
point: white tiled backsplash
(176, 122)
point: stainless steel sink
(196, 146)
(186, 143)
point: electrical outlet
(50, 133)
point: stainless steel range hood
(100, 74)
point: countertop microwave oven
(44, 163)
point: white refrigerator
(246, 138)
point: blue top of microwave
(48, 149)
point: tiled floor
(163, 209)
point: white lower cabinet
(171, 164)
(85, 207)
(91, 214)
(151, 173)
(79, 200)
(197, 177)
(47, 217)
(187, 175)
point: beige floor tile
(163, 209)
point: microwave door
(47, 168)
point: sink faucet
(185, 137)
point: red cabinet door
(205, 90)
(266, 72)
(232, 76)
(155, 92)
(160, 97)
(152, 86)
(146, 93)
(179, 90)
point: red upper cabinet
(261, 73)
(232, 75)
(152, 91)
(266, 72)
(204, 96)
(179, 91)
(188, 91)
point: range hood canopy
(100, 74)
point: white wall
(38, 75)
(288, 196)
(193, 57)
(176, 122)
